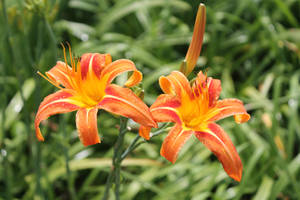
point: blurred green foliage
(252, 46)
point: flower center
(197, 112)
(89, 90)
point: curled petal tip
(39, 135)
(241, 118)
(118, 67)
(216, 140)
(166, 86)
(237, 178)
(135, 79)
(108, 59)
(144, 132)
(55, 103)
(88, 144)
(171, 159)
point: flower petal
(55, 103)
(164, 109)
(61, 74)
(214, 90)
(216, 140)
(229, 107)
(144, 132)
(122, 101)
(86, 122)
(197, 39)
(213, 85)
(176, 84)
(174, 141)
(93, 62)
(119, 66)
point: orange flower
(194, 111)
(87, 87)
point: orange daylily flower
(86, 87)
(194, 110)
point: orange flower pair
(87, 87)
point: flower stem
(131, 147)
(134, 143)
(117, 155)
(116, 162)
(108, 184)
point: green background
(251, 45)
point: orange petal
(197, 39)
(213, 85)
(93, 62)
(176, 84)
(122, 101)
(61, 74)
(144, 132)
(214, 90)
(164, 109)
(229, 107)
(216, 140)
(174, 141)
(119, 66)
(55, 103)
(86, 122)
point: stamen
(65, 57)
(73, 84)
(193, 90)
(78, 77)
(200, 103)
(49, 80)
(71, 58)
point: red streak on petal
(174, 141)
(98, 62)
(214, 90)
(164, 109)
(229, 107)
(60, 74)
(84, 64)
(176, 84)
(53, 104)
(216, 140)
(122, 101)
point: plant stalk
(114, 174)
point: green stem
(116, 162)
(117, 156)
(160, 130)
(134, 143)
(108, 184)
(67, 160)
(131, 147)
